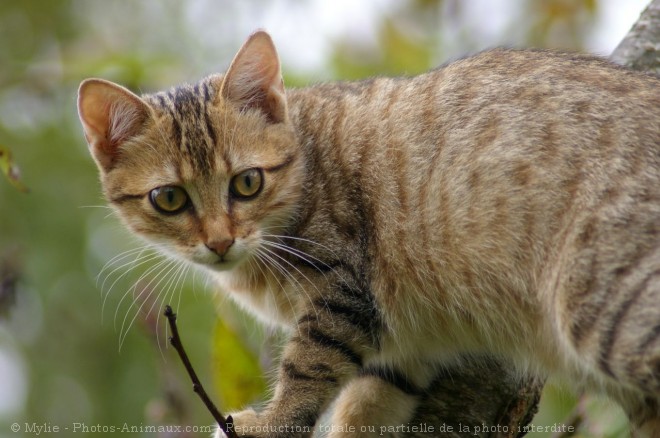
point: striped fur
(507, 203)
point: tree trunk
(486, 399)
(640, 49)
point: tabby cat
(507, 203)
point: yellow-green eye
(247, 183)
(169, 199)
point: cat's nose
(220, 246)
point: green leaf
(236, 371)
(11, 170)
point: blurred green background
(67, 358)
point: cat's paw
(250, 424)
(246, 424)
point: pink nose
(220, 247)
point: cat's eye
(246, 184)
(169, 199)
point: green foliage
(398, 53)
(560, 23)
(237, 374)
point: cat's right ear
(110, 115)
(254, 78)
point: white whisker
(151, 269)
(302, 239)
(163, 274)
(302, 254)
(96, 206)
(269, 255)
(179, 275)
(258, 258)
(117, 258)
(134, 264)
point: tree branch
(484, 397)
(224, 423)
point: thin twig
(226, 424)
(575, 420)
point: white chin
(222, 266)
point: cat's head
(203, 171)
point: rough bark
(640, 49)
(486, 399)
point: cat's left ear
(110, 115)
(254, 78)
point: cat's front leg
(367, 406)
(326, 350)
(310, 376)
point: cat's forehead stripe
(187, 107)
(207, 118)
(176, 126)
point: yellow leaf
(591, 6)
(10, 169)
(236, 371)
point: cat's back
(511, 94)
(587, 121)
(497, 74)
(479, 165)
(485, 125)
(572, 92)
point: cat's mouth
(222, 264)
(218, 261)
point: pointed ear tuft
(110, 115)
(254, 79)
